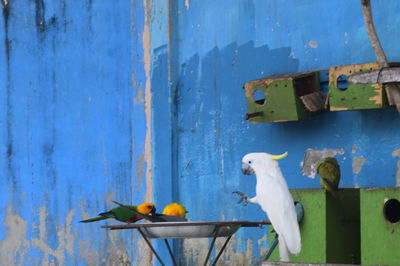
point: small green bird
(329, 171)
(123, 214)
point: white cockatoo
(272, 194)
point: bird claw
(244, 198)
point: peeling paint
(195, 250)
(145, 254)
(147, 65)
(139, 170)
(398, 174)
(353, 149)
(139, 96)
(14, 247)
(64, 235)
(117, 254)
(357, 164)
(377, 99)
(87, 253)
(133, 80)
(233, 257)
(187, 4)
(313, 44)
(396, 153)
(311, 158)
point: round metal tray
(190, 230)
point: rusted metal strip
(384, 75)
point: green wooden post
(380, 226)
(330, 229)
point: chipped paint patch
(145, 254)
(88, 254)
(14, 246)
(357, 164)
(147, 65)
(313, 44)
(139, 170)
(117, 254)
(233, 257)
(133, 80)
(396, 153)
(398, 174)
(194, 250)
(65, 239)
(312, 157)
(187, 4)
(377, 99)
(139, 96)
(353, 149)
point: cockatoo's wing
(280, 208)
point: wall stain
(10, 116)
(40, 16)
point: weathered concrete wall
(216, 46)
(75, 129)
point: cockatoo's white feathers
(273, 196)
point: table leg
(212, 245)
(222, 250)
(170, 252)
(151, 247)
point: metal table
(167, 230)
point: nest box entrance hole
(391, 210)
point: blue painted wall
(143, 100)
(73, 129)
(214, 48)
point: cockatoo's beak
(277, 157)
(247, 170)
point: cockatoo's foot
(243, 196)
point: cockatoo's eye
(250, 162)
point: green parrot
(123, 214)
(329, 171)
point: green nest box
(380, 226)
(286, 97)
(330, 229)
(344, 96)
